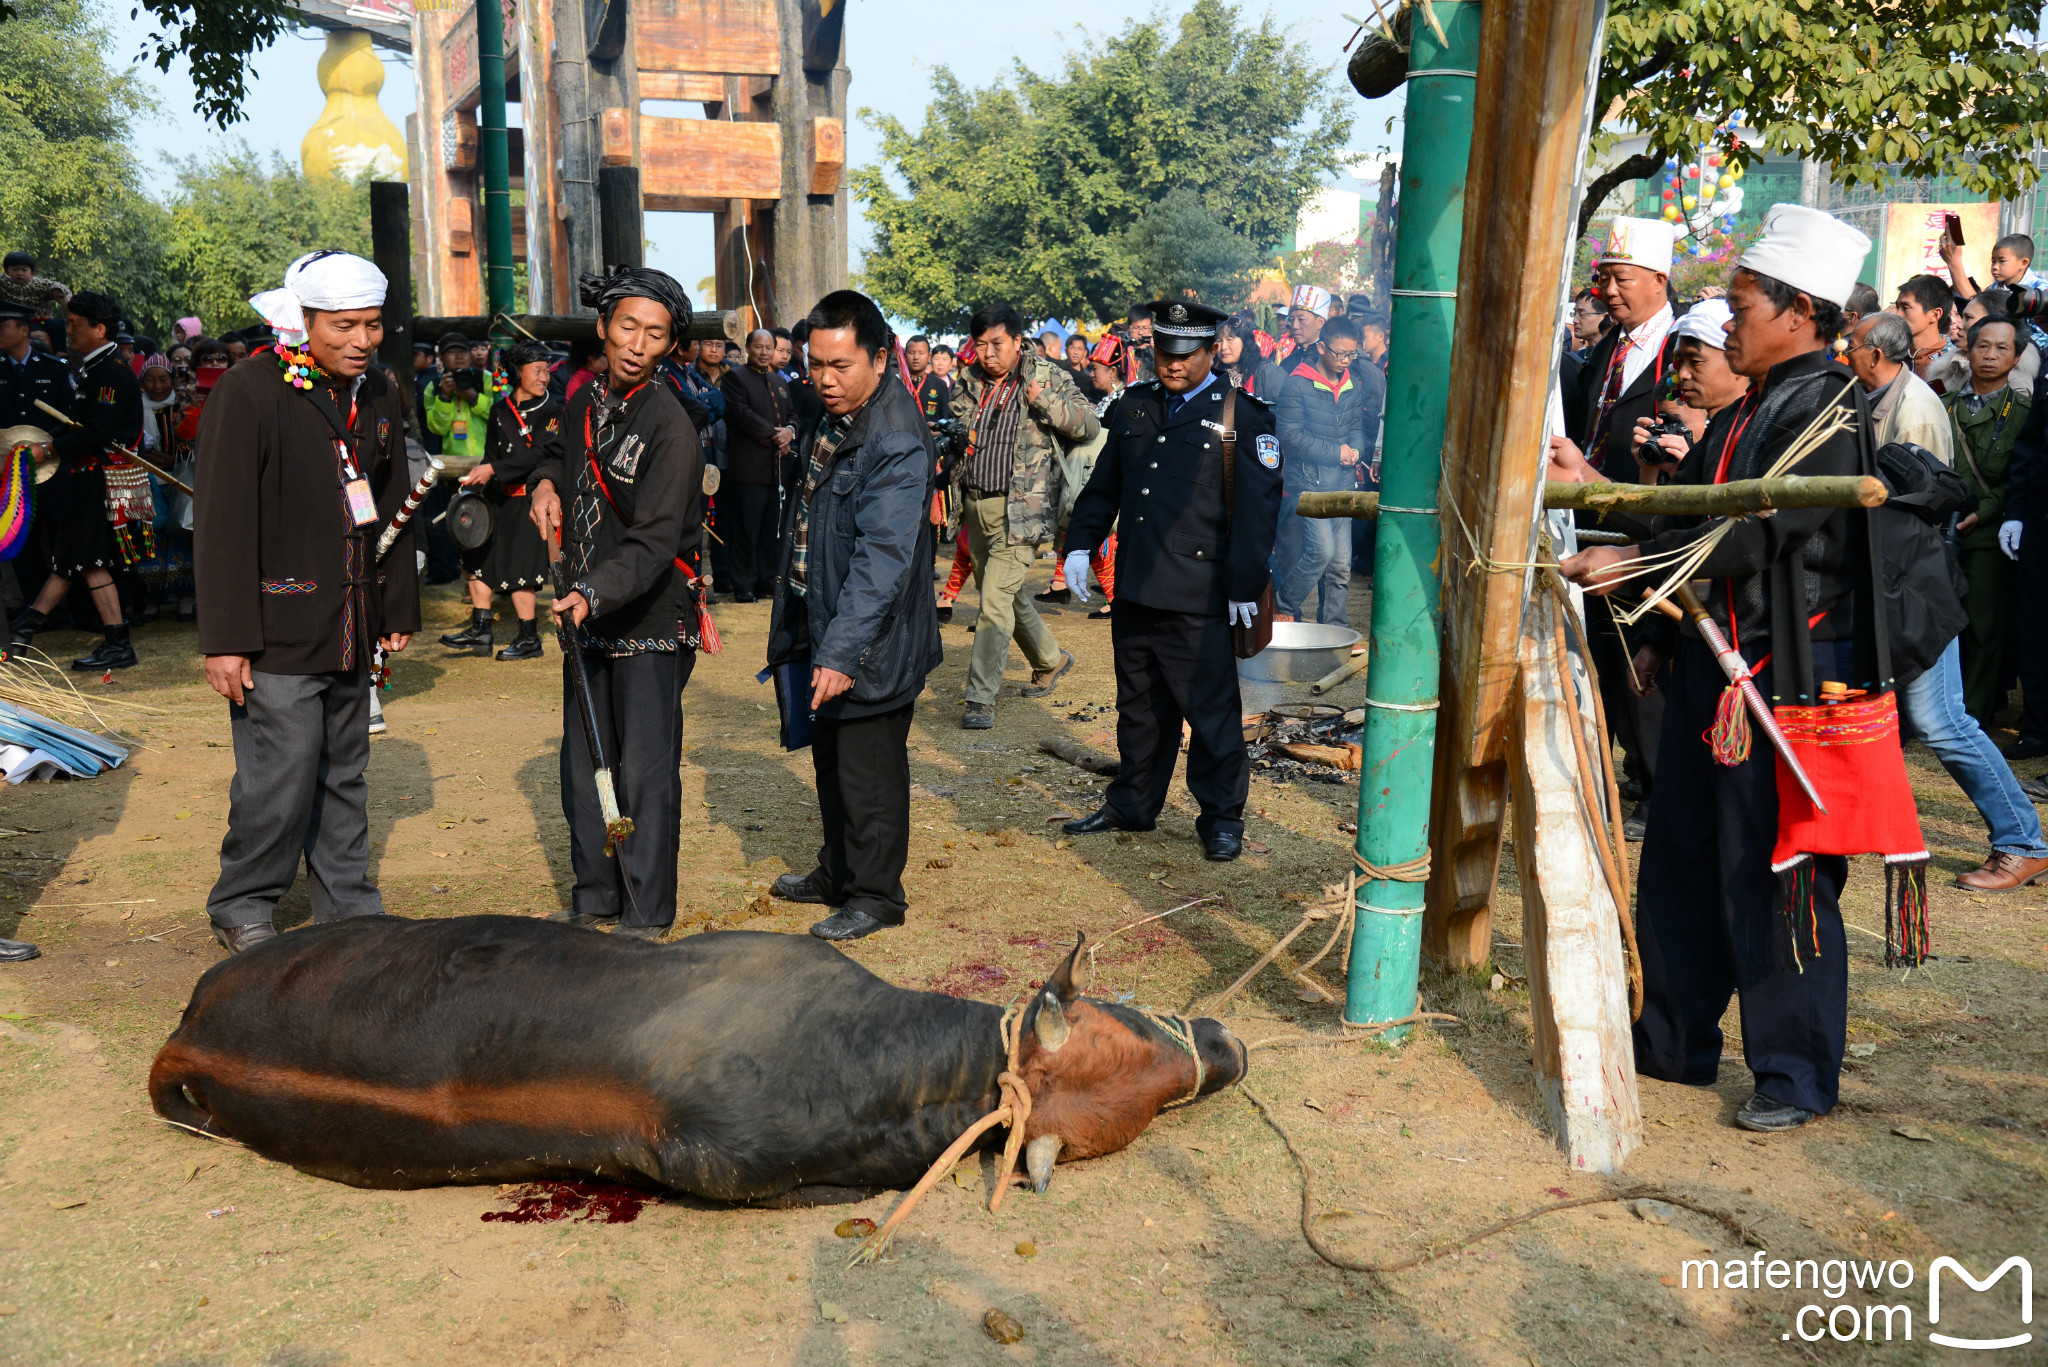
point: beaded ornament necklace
(300, 370)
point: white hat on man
(1810, 251)
(1645, 242)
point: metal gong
(469, 520)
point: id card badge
(362, 505)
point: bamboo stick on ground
(1080, 756)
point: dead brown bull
(385, 1052)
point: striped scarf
(831, 432)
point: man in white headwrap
(301, 462)
(1799, 596)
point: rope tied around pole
(1340, 901)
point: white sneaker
(376, 713)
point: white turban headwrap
(319, 280)
(1809, 250)
(1707, 322)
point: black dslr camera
(950, 434)
(2025, 303)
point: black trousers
(301, 744)
(1173, 667)
(752, 536)
(1638, 723)
(2028, 646)
(863, 769)
(639, 704)
(1707, 916)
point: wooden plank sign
(708, 159)
(731, 37)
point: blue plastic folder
(793, 701)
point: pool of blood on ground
(541, 1202)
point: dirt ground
(125, 1241)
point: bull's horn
(1039, 1156)
(1051, 1023)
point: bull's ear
(1061, 983)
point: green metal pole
(1400, 724)
(490, 51)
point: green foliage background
(70, 187)
(1159, 161)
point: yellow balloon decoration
(353, 136)
(1690, 203)
(1671, 213)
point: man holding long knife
(1743, 869)
(621, 494)
(301, 461)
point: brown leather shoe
(235, 939)
(2004, 872)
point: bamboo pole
(495, 155)
(1677, 500)
(1402, 677)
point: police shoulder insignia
(1268, 447)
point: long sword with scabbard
(152, 467)
(1688, 608)
(617, 825)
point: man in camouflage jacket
(1018, 410)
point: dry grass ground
(124, 1241)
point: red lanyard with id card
(360, 503)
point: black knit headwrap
(95, 308)
(603, 292)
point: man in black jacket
(87, 534)
(2023, 536)
(629, 459)
(760, 429)
(1193, 542)
(853, 601)
(1797, 594)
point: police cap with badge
(1180, 327)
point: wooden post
(808, 224)
(624, 241)
(391, 247)
(1571, 935)
(549, 287)
(1534, 96)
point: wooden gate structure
(766, 158)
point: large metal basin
(1301, 652)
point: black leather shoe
(108, 654)
(1043, 681)
(22, 630)
(1098, 821)
(526, 646)
(945, 614)
(848, 924)
(1222, 847)
(1055, 596)
(572, 917)
(746, 598)
(2027, 747)
(477, 634)
(235, 939)
(1766, 1116)
(2035, 789)
(801, 887)
(18, 951)
(641, 932)
(1636, 824)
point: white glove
(1077, 575)
(2009, 538)
(1241, 614)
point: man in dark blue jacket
(1193, 539)
(1328, 420)
(853, 600)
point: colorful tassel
(1798, 940)
(1906, 942)
(1728, 741)
(299, 368)
(17, 494)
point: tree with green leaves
(215, 37)
(1950, 88)
(1157, 161)
(235, 224)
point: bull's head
(1099, 1072)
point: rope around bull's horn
(1014, 1110)
(1340, 1261)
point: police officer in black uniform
(1190, 558)
(27, 374)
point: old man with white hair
(301, 462)
(1741, 873)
